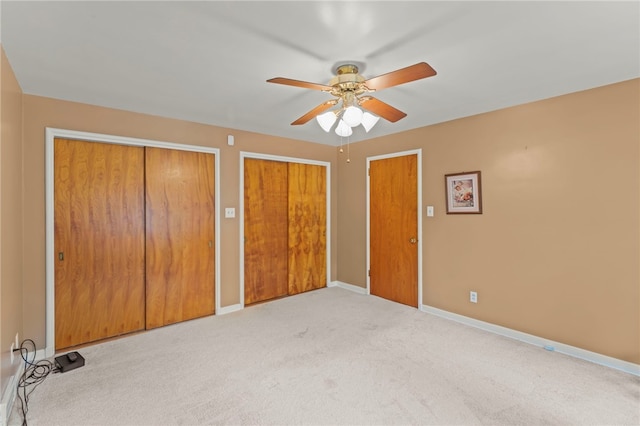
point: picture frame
(463, 192)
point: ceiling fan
(352, 89)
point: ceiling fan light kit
(369, 120)
(352, 116)
(343, 129)
(326, 120)
(348, 86)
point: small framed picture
(463, 192)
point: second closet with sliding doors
(285, 228)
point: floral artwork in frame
(463, 193)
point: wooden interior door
(99, 241)
(180, 215)
(265, 230)
(394, 229)
(307, 268)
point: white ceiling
(208, 61)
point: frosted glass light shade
(369, 120)
(343, 129)
(352, 116)
(326, 120)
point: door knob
(413, 240)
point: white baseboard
(350, 287)
(9, 395)
(596, 358)
(229, 309)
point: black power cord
(34, 374)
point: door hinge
(369, 272)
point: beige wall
(10, 216)
(40, 113)
(556, 251)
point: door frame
(50, 135)
(327, 164)
(417, 152)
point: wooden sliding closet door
(265, 230)
(180, 266)
(307, 227)
(285, 229)
(99, 241)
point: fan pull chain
(341, 150)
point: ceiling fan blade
(405, 75)
(317, 110)
(382, 109)
(298, 83)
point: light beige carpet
(331, 357)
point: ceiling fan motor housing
(347, 80)
(347, 69)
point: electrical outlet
(17, 340)
(12, 353)
(473, 297)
